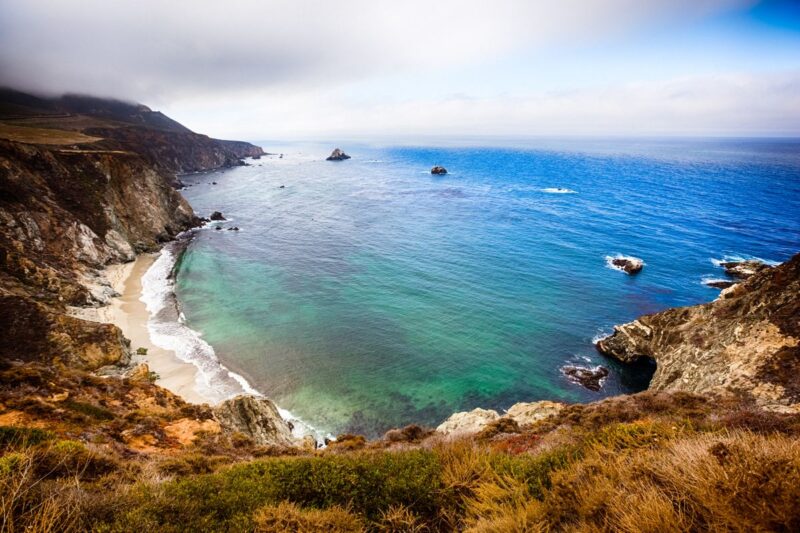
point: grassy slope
(34, 135)
(649, 462)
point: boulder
(233, 228)
(140, 372)
(475, 421)
(257, 418)
(629, 265)
(591, 378)
(216, 215)
(338, 155)
(438, 170)
(467, 422)
(526, 413)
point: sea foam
(167, 328)
(558, 190)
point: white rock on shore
(471, 422)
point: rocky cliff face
(746, 342)
(72, 202)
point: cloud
(731, 104)
(166, 50)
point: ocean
(368, 294)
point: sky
(318, 70)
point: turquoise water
(368, 294)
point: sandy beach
(129, 313)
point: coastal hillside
(85, 182)
(90, 442)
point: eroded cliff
(746, 342)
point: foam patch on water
(601, 335)
(707, 280)
(739, 258)
(168, 330)
(558, 190)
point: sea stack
(338, 155)
(438, 170)
(216, 215)
(629, 265)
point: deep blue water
(368, 294)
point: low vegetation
(649, 462)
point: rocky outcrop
(744, 269)
(438, 170)
(472, 422)
(216, 215)
(467, 422)
(257, 418)
(719, 283)
(746, 342)
(337, 155)
(527, 413)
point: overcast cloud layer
(300, 68)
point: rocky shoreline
(56, 234)
(746, 342)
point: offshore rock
(338, 155)
(438, 170)
(747, 341)
(257, 418)
(629, 265)
(591, 378)
(216, 215)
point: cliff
(85, 182)
(746, 342)
(162, 142)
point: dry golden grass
(287, 516)
(735, 481)
(30, 135)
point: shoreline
(129, 313)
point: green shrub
(12, 436)
(365, 483)
(88, 409)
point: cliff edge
(746, 342)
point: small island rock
(629, 265)
(438, 170)
(338, 155)
(591, 378)
(216, 215)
